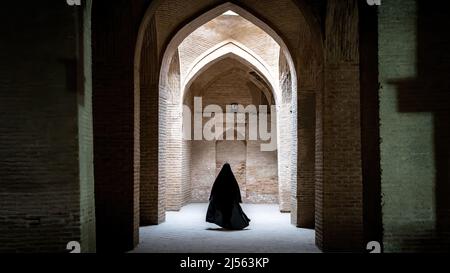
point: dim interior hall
(92, 124)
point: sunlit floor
(186, 231)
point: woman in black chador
(224, 209)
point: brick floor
(186, 231)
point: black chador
(224, 209)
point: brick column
(340, 191)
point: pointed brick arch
(286, 118)
(288, 109)
(231, 49)
(318, 62)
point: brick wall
(261, 175)
(46, 151)
(203, 170)
(414, 113)
(234, 153)
(258, 185)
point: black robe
(224, 209)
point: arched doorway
(173, 67)
(145, 203)
(307, 165)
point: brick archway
(170, 97)
(237, 51)
(326, 77)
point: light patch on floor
(186, 231)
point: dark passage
(224, 209)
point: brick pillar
(340, 191)
(173, 122)
(304, 194)
(284, 156)
(174, 160)
(114, 35)
(149, 107)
